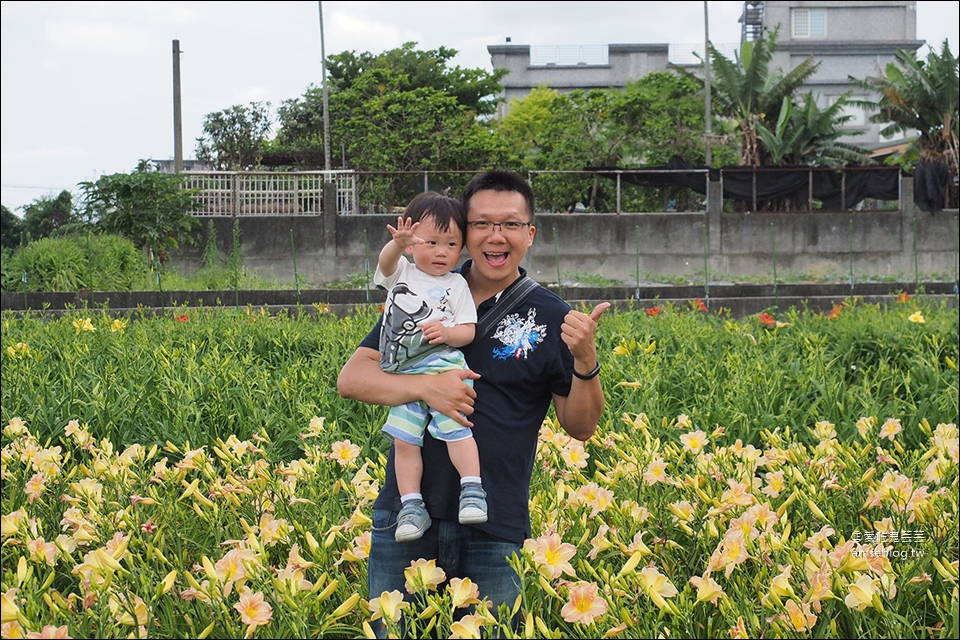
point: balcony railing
(265, 193)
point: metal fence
(390, 191)
(641, 190)
(620, 191)
(556, 191)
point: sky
(87, 87)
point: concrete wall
(332, 248)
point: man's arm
(363, 379)
(580, 411)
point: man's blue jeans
(462, 551)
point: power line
(26, 186)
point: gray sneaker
(473, 504)
(412, 521)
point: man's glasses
(485, 226)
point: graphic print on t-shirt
(519, 337)
(401, 331)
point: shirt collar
(468, 263)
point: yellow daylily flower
(468, 626)
(423, 574)
(8, 605)
(658, 587)
(83, 325)
(708, 589)
(861, 592)
(389, 606)
(463, 592)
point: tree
(149, 208)
(474, 89)
(44, 217)
(647, 122)
(749, 92)
(922, 96)
(299, 138)
(11, 228)
(548, 130)
(235, 139)
(805, 134)
(393, 128)
(371, 95)
(669, 111)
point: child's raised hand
(404, 234)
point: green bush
(70, 263)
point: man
(540, 352)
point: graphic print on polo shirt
(519, 337)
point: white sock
(465, 479)
(407, 497)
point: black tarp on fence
(834, 189)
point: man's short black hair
(499, 180)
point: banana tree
(922, 96)
(751, 93)
(805, 134)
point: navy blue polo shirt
(522, 362)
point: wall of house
(851, 20)
(626, 63)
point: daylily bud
(167, 583)
(547, 586)
(815, 510)
(327, 591)
(631, 564)
(346, 607)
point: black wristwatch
(588, 376)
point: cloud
(253, 94)
(96, 36)
(365, 34)
(40, 155)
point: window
(809, 23)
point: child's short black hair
(443, 209)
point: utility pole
(177, 116)
(707, 117)
(326, 103)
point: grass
(801, 277)
(252, 281)
(591, 280)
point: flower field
(197, 475)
